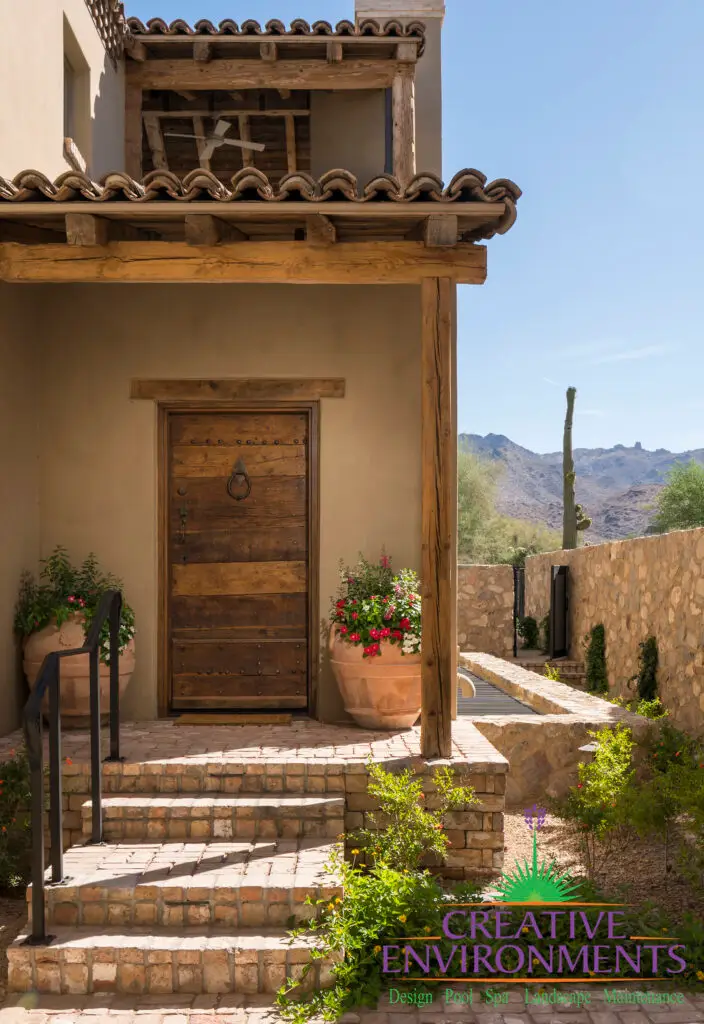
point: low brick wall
(636, 588)
(542, 750)
(485, 608)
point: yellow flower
(338, 900)
(331, 906)
(377, 949)
(402, 918)
(700, 975)
(525, 931)
(355, 852)
(664, 931)
(427, 929)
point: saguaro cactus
(569, 509)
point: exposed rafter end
(268, 51)
(437, 231)
(135, 49)
(320, 230)
(334, 51)
(85, 229)
(204, 229)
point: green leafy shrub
(383, 901)
(527, 629)
(647, 677)
(595, 660)
(15, 828)
(595, 806)
(545, 629)
(406, 830)
(64, 590)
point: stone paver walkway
(233, 1009)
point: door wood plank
(208, 501)
(264, 659)
(229, 578)
(208, 461)
(229, 428)
(255, 613)
(245, 544)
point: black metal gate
(559, 612)
(519, 602)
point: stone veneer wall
(485, 608)
(543, 750)
(649, 585)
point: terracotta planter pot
(381, 692)
(75, 672)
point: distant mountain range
(615, 485)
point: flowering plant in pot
(375, 639)
(55, 612)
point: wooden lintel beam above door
(228, 389)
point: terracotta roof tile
(299, 27)
(249, 184)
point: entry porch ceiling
(201, 209)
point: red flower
(385, 632)
(340, 603)
(396, 633)
(71, 600)
(343, 629)
(405, 623)
(384, 600)
(355, 615)
(69, 761)
(411, 598)
(355, 637)
(384, 561)
(375, 634)
(579, 785)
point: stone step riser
(164, 907)
(159, 971)
(119, 829)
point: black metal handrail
(49, 681)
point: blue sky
(597, 112)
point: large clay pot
(75, 671)
(381, 692)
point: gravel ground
(634, 874)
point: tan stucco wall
(99, 465)
(31, 71)
(348, 130)
(19, 471)
(636, 588)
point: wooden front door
(239, 512)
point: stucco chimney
(428, 72)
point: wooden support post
(156, 141)
(290, 143)
(133, 130)
(201, 145)
(439, 491)
(454, 510)
(247, 154)
(85, 229)
(404, 124)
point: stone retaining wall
(485, 608)
(543, 750)
(636, 588)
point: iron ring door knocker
(239, 475)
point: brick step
(189, 775)
(221, 883)
(218, 816)
(187, 960)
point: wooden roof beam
(268, 52)
(156, 141)
(256, 74)
(135, 49)
(244, 263)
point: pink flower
(388, 615)
(405, 623)
(71, 600)
(355, 637)
(355, 615)
(385, 632)
(343, 629)
(384, 561)
(82, 603)
(411, 598)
